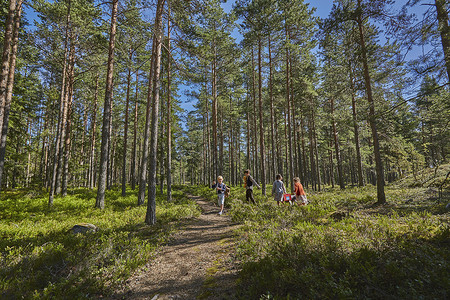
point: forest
(118, 116)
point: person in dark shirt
(249, 182)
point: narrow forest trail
(196, 264)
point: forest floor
(197, 263)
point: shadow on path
(196, 264)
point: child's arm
(255, 183)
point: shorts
(221, 198)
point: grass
(341, 246)
(41, 259)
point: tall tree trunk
(444, 29)
(144, 157)
(330, 152)
(66, 153)
(214, 112)
(372, 117)
(125, 129)
(134, 152)
(169, 113)
(230, 144)
(60, 126)
(104, 159)
(161, 159)
(93, 139)
(150, 217)
(110, 156)
(83, 180)
(305, 161)
(289, 125)
(356, 129)
(221, 142)
(7, 40)
(336, 146)
(311, 153)
(208, 137)
(299, 150)
(247, 109)
(319, 183)
(255, 130)
(272, 114)
(261, 121)
(9, 89)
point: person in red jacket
(300, 195)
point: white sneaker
(220, 213)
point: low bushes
(41, 259)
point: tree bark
(7, 40)
(169, 113)
(356, 130)
(444, 30)
(66, 153)
(289, 128)
(144, 159)
(150, 217)
(134, 152)
(93, 139)
(214, 113)
(372, 118)
(104, 159)
(125, 129)
(272, 115)
(255, 130)
(9, 90)
(336, 146)
(261, 120)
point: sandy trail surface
(196, 264)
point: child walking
(249, 182)
(221, 187)
(300, 195)
(278, 189)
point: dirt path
(196, 264)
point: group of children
(280, 195)
(278, 191)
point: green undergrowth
(41, 259)
(342, 246)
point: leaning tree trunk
(150, 217)
(104, 159)
(372, 118)
(9, 90)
